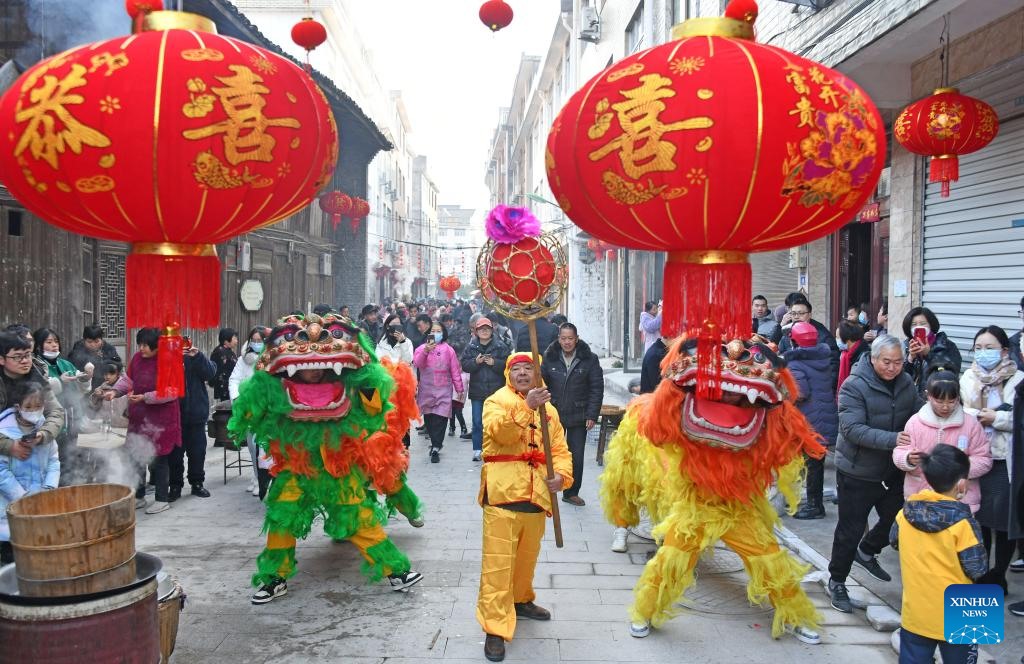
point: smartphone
(28, 438)
(186, 343)
(921, 334)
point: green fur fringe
(406, 502)
(387, 559)
(262, 408)
(269, 563)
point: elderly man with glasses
(16, 367)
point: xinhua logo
(973, 613)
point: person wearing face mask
(394, 344)
(987, 389)
(440, 373)
(926, 348)
(70, 386)
(243, 370)
(16, 367)
(39, 471)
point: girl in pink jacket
(943, 421)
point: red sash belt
(534, 457)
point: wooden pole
(556, 519)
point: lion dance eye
(759, 357)
(337, 333)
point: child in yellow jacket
(940, 545)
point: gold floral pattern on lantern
(687, 64)
(945, 120)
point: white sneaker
(476, 455)
(252, 485)
(158, 507)
(402, 582)
(141, 503)
(416, 523)
(639, 630)
(256, 490)
(804, 634)
(619, 541)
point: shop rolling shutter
(772, 276)
(974, 240)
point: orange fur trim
(726, 474)
(298, 461)
(403, 398)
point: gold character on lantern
(829, 96)
(245, 137)
(640, 145)
(111, 61)
(48, 108)
(806, 112)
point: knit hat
(804, 334)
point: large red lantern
(710, 147)
(521, 272)
(172, 140)
(943, 126)
(496, 14)
(336, 204)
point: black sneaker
(451, 431)
(402, 582)
(840, 597)
(173, 493)
(200, 491)
(809, 511)
(466, 435)
(1017, 609)
(871, 566)
(435, 455)
(270, 591)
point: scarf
(845, 360)
(995, 378)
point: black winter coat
(943, 354)
(195, 406)
(650, 370)
(1015, 353)
(1017, 454)
(547, 334)
(80, 356)
(484, 379)
(871, 414)
(576, 391)
(812, 372)
(824, 337)
(224, 359)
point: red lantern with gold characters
(450, 285)
(360, 210)
(711, 147)
(172, 139)
(337, 204)
(496, 14)
(943, 126)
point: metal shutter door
(772, 276)
(973, 253)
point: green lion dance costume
(332, 418)
(701, 468)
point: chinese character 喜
(641, 148)
(44, 137)
(245, 137)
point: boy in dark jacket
(195, 411)
(484, 360)
(810, 364)
(939, 544)
(575, 379)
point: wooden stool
(611, 417)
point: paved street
(331, 614)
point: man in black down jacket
(195, 410)
(801, 310)
(875, 403)
(484, 360)
(575, 379)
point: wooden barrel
(73, 540)
(169, 610)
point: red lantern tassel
(179, 281)
(944, 168)
(170, 363)
(707, 294)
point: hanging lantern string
(944, 51)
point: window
(88, 294)
(460, 232)
(635, 30)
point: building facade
(459, 247)
(908, 247)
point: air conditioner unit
(884, 182)
(325, 264)
(244, 256)
(590, 24)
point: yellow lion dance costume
(727, 452)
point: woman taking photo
(440, 374)
(926, 349)
(987, 390)
(70, 386)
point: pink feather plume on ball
(507, 225)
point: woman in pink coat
(440, 374)
(942, 421)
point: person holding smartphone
(484, 360)
(926, 349)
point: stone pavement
(332, 614)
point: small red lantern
(172, 140)
(496, 14)
(360, 210)
(450, 285)
(943, 126)
(711, 148)
(142, 7)
(336, 204)
(309, 33)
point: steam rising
(57, 25)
